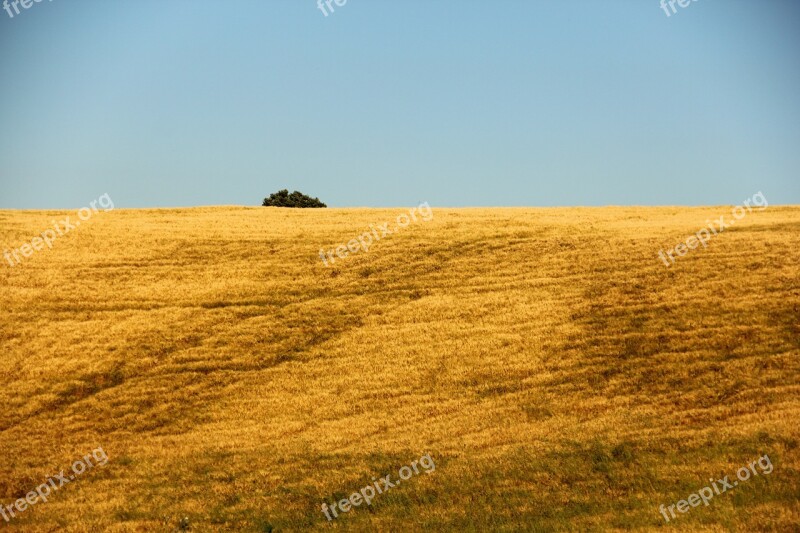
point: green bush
(296, 199)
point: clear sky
(390, 103)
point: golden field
(560, 376)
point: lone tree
(296, 199)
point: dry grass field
(560, 376)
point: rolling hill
(556, 371)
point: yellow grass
(558, 373)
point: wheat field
(557, 373)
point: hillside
(556, 371)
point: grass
(559, 374)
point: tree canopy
(282, 198)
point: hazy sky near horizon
(390, 103)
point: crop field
(541, 369)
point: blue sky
(390, 103)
